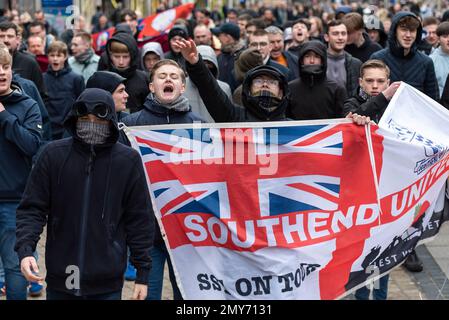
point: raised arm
(217, 102)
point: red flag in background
(100, 39)
(159, 23)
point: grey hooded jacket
(192, 93)
(154, 47)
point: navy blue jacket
(96, 201)
(153, 114)
(31, 90)
(416, 69)
(63, 88)
(20, 137)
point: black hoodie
(313, 96)
(97, 203)
(137, 81)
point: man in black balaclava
(264, 90)
(85, 187)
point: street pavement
(430, 284)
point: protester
(248, 59)
(359, 43)
(151, 53)
(264, 93)
(372, 98)
(279, 54)
(130, 17)
(20, 138)
(37, 28)
(93, 166)
(164, 105)
(300, 35)
(440, 55)
(229, 36)
(83, 61)
(376, 31)
(202, 35)
(406, 63)
(176, 33)
(342, 67)
(23, 63)
(259, 40)
(430, 25)
(115, 85)
(313, 95)
(122, 57)
(64, 87)
(191, 92)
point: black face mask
(267, 101)
(312, 69)
(312, 73)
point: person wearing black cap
(229, 36)
(115, 84)
(313, 95)
(177, 32)
(94, 195)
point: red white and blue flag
(290, 210)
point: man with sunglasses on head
(93, 193)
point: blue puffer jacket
(416, 68)
(20, 137)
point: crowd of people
(65, 163)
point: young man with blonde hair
(20, 137)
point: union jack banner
(293, 210)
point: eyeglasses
(99, 110)
(258, 82)
(258, 44)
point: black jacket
(27, 67)
(352, 65)
(64, 87)
(20, 137)
(137, 81)
(97, 203)
(313, 96)
(364, 52)
(374, 107)
(221, 108)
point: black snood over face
(267, 101)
